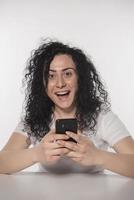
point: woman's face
(62, 82)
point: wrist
(104, 158)
(99, 158)
(34, 151)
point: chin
(65, 106)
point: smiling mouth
(62, 93)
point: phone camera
(63, 125)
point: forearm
(119, 163)
(13, 161)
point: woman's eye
(68, 74)
(51, 76)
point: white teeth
(62, 93)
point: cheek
(50, 87)
(75, 84)
(49, 90)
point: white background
(103, 28)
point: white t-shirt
(109, 130)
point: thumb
(79, 132)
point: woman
(63, 83)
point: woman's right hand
(48, 151)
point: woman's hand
(48, 151)
(84, 151)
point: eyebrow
(52, 70)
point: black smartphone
(63, 125)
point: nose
(60, 83)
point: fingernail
(67, 132)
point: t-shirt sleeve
(112, 129)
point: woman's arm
(16, 155)
(121, 162)
(84, 152)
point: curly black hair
(91, 97)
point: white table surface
(46, 186)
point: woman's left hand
(83, 151)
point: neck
(60, 114)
